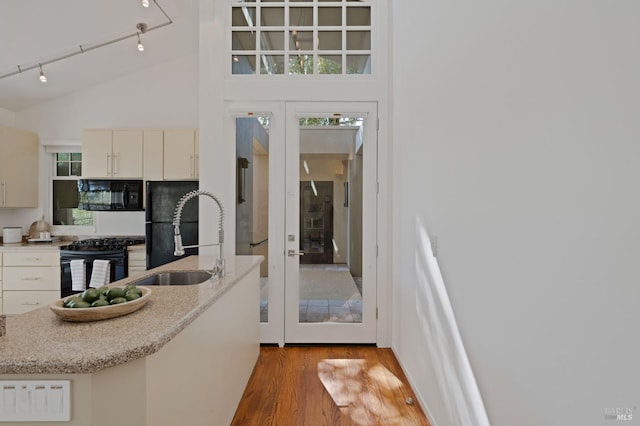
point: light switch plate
(35, 400)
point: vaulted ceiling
(37, 31)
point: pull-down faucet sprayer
(218, 269)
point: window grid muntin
(260, 53)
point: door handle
(295, 253)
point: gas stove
(103, 244)
(112, 249)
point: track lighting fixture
(140, 45)
(43, 78)
(141, 29)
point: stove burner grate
(103, 244)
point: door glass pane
(252, 197)
(330, 235)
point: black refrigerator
(161, 201)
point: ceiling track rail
(84, 49)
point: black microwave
(110, 195)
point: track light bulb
(145, 3)
(43, 78)
(140, 45)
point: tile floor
(322, 309)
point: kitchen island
(184, 358)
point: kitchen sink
(175, 278)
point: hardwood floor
(328, 385)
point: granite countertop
(40, 246)
(38, 342)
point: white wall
(165, 96)
(7, 118)
(517, 143)
(162, 96)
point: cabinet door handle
(191, 165)
(35, 259)
(31, 303)
(30, 279)
(4, 193)
(115, 163)
(108, 164)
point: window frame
(288, 53)
(51, 152)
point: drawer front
(19, 302)
(30, 258)
(46, 278)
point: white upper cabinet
(153, 154)
(18, 168)
(140, 154)
(112, 153)
(181, 154)
(127, 154)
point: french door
(306, 200)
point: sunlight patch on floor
(365, 392)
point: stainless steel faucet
(218, 269)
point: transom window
(301, 37)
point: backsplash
(106, 223)
(19, 217)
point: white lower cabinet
(30, 280)
(19, 302)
